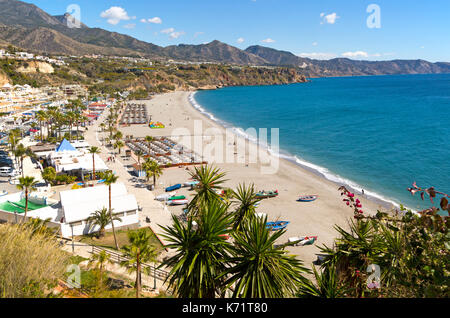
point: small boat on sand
(191, 183)
(179, 197)
(308, 198)
(277, 226)
(267, 194)
(178, 202)
(165, 197)
(173, 188)
(303, 241)
(3, 193)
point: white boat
(191, 183)
(165, 196)
(179, 202)
(3, 193)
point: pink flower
(351, 195)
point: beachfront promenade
(156, 211)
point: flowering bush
(352, 202)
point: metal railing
(153, 271)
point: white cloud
(240, 40)
(130, 26)
(269, 40)
(114, 15)
(356, 54)
(156, 20)
(143, 20)
(318, 55)
(168, 31)
(176, 35)
(329, 18)
(315, 43)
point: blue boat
(173, 188)
(277, 226)
(308, 198)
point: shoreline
(320, 171)
(291, 180)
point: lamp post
(73, 246)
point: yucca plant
(200, 252)
(258, 268)
(326, 284)
(245, 199)
(210, 181)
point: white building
(78, 205)
(25, 55)
(66, 158)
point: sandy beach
(307, 219)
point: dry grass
(29, 264)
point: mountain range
(28, 27)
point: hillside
(215, 51)
(26, 26)
(347, 67)
(108, 75)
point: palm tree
(110, 179)
(13, 138)
(138, 252)
(98, 262)
(70, 118)
(20, 153)
(197, 266)
(41, 117)
(119, 145)
(102, 219)
(152, 169)
(139, 154)
(118, 135)
(94, 151)
(210, 180)
(259, 269)
(149, 140)
(27, 184)
(49, 175)
(246, 200)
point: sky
(323, 29)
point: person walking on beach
(362, 191)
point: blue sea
(377, 133)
